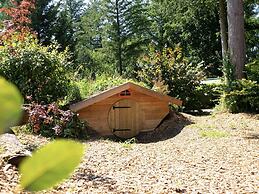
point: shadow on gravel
(96, 180)
(202, 112)
(170, 127)
(252, 136)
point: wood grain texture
(124, 118)
(116, 90)
(147, 113)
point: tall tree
(56, 20)
(125, 29)
(193, 24)
(236, 35)
(70, 12)
(44, 20)
(223, 27)
(89, 37)
(251, 9)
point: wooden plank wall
(152, 110)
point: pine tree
(70, 12)
(126, 25)
(89, 36)
(193, 24)
(44, 20)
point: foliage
(208, 95)
(38, 71)
(213, 133)
(44, 20)
(92, 54)
(112, 35)
(84, 88)
(193, 24)
(65, 28)
(18, 21)
(126, 30)
(50, 121)
(228, 71)
(239, 95)
(251, 9)
(74, 93)
(57, 21)
(128, 143)
(11, 101)
(51, 164)
(174, 70)
(242, 96)
(252, 70)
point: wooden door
(124, 118)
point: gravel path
(178, 161)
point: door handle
(114, 130)
(114, 107)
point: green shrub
(243, 97)
(174, 70)
(81, 89)
(50, 121)
(239, 95)
(128, 143)
(208, 95)
(73, 96)
(38, 71)
(252, 70)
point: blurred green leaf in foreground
(10, 104)
(50, 165)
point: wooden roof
(110, 92)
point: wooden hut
(124, 110)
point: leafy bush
(84, 88)
(73, 96)
(208, 95)
(38, 71)
(242, 96)
(50, 121)
(252, 70)
(172, 69)
(239, 95)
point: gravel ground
(173, 159)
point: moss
(213, 133)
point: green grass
(213, 133)
(24, 129)
(81, 89)
(103, 82)
(1, 150)
(128, 143)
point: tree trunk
(223, 27)
(236, 36)
(119, 51)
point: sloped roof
(110, 92)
